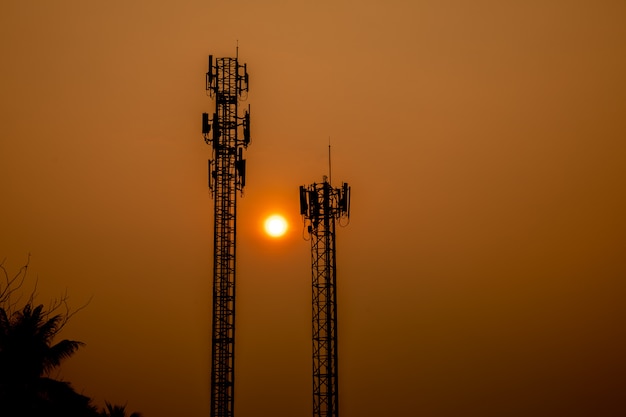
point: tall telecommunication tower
(321, 205)
(229, 133)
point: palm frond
(116, 411)
(47, 329)
(56, 353)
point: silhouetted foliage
(28, 354)
(116, 411)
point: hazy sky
(483, 272)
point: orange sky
(483, 271)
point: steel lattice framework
(321, 205)
(227, 82)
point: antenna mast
(320, 206)
(330, 170)
(229, 135)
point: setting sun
(275, 225)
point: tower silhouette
(229, 135)
(321, 205)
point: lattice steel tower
(229, 133)
(321, 205)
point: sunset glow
(275, 225)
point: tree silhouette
(26, 340)
(27, 355)
(116, 411)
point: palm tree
(116, 411)
(27, 355)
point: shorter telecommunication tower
(321, 205)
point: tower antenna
(330, 171)
(229, 135)
(321, 205)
